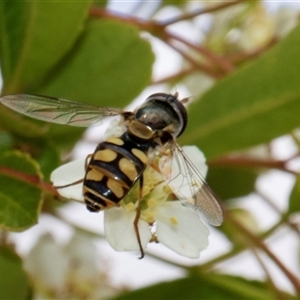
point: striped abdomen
(112, 171)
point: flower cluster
(163, 218)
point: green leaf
(14, 282)
(34, 35)
(20, 202)
(206, 286)
(21, 125)
(109, 66)
(294, 201)
(100, 3)
(6, 141)
(65, 136)
(179, 3)
(254, 105)
(47, 157)
(29, 128)
(229, 183)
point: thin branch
(240, 57)
(176, 76)
(271, 203)
(223, 63)
(146, 25)
(277, 293)
(96, 11)
(158, 30)
(261, 245)
(203, 67)
(251, 162)
(33, 180)
(199, 12)
(238, 248)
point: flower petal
(66, 174)
(197, 157)
(119, 230)
(181, 230)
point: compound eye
(175, 109)
(158, 120)
(155, 116)
(158, 96)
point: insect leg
(86, 161)
(77, 181)
(137, 217)
(69, 184)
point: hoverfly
(119, 162)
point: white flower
(162, 217)
(66, 174)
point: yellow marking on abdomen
(115, 187)
(106, 155)
(111, 175)
(116, 141)
(140, 155)
(128, 168)
(94, 175)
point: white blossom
(162, 217)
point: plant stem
(257, 242)
(30, 179)
(200, 11)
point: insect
(118, 163)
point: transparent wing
(187, 183)
(57, 110)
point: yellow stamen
(173, 221)
(149, 217)
(167, 189)
(130, 206)
(146, 190)
(151, 202)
